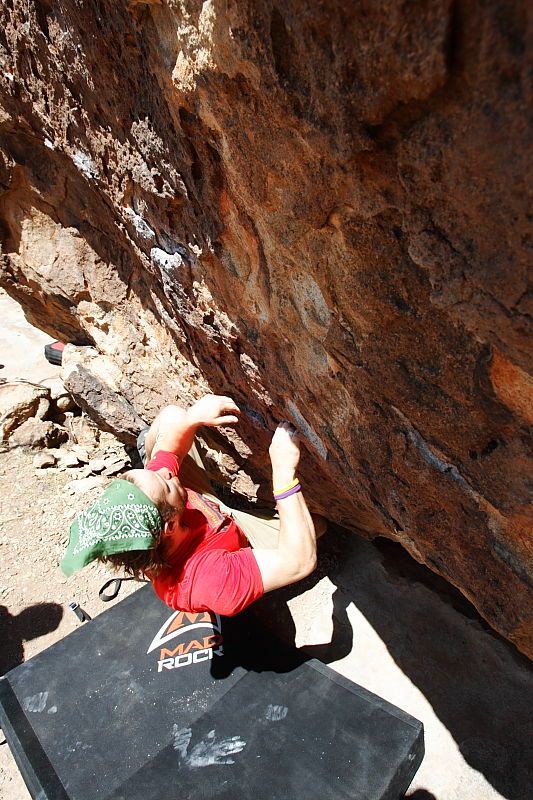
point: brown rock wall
(320, 208)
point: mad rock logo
(187, 638)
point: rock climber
(165, 523)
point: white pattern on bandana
(121, 521)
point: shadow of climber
(31, 623)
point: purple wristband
(294, 489)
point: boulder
(68, 459)
(84, 432)
(81, 453)
(97, 465)
(44, 459)
(19, 401)
(114, 465)
(64, 403)
(94, 381)
(61, 400)
(318, 208)
(36, 433)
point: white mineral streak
(140, 225)
(168, 263)
(85, 164)
(307, 430)
(312, 305)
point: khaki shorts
(261, 529)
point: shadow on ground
(31, 623)
(478, 685)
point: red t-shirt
(214, 568)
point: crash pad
(143, 702)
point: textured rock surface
(38, 433)
(19, 401)
(318, 208)
(94, 381)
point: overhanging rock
(316, 208)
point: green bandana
(122, 519)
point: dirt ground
(369, 611)
(35, 514)
(34, 518)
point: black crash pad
(144, 703)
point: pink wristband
(283, 495)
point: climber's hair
(137, 563)
(140, 563)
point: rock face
(318, 208)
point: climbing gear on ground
(107, 597)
